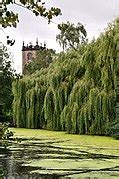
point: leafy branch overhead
(71, 36)
(9, 18)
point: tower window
(29, 56)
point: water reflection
(2, 161)
(11, 164)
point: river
(57, 157)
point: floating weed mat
(56, 154)
(76, 93)
(51, 158)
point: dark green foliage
(7, 75)
(76, 93)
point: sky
(94, 14)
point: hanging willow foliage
(76, 93)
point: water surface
(56, 157)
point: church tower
(29, 53)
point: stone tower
(29, 52)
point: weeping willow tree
(91, 103)
(76, 93)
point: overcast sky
(94, 14)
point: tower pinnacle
(37, 41)
(23, 43)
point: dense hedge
(76, 93)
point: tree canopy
(71, 36)
(7, 76)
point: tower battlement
(33, 47)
